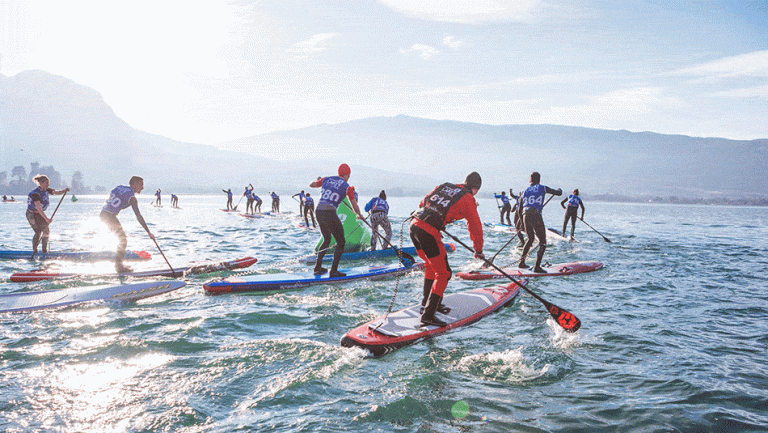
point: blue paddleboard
(293, 280)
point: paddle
(399, 253)
(57, 206)
(565, 319)
(488, 263)
(173, 273)
(238, 204)
(604, 238)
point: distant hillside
(596, 161)
(54, 121)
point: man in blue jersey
(228, 192)
(301, 201)
(334, 188)
(174, 200)
(275, 202)
(379, 209)
(574, 201)
(506, 208)
(158, 200)
(248, 199)
(532, 204)
(309, 209)
(120, 198)
(37, 203)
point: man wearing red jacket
(446, 204)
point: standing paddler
(334, 189)
(37, 204)
(446, 204)
(532, 204)
(120, 198)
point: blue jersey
(333, 191)
(504, 198)
(308, 201)
(255, 197)
(119, 199)
(377, 204)
(274, 196)
(533, 197)
(40, 195)
(248, 194)
(574, 200)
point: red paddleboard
(402, 328)
(557, 270)
(202, 268)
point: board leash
(397, 280)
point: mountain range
(52, 120)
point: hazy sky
(209, 71)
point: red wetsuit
(445, 204)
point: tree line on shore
(20, 181)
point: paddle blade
(566, 320)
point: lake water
(673, 335)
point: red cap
(344, 170)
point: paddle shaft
(604, 238)
(57, 206)
(565, 319)
(173, 273)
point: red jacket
(465, 208)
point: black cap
(473, 180)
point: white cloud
(452, 42)
(754, 64)
(751, 92)
(464, 11)
(315, 44)
(427, 52)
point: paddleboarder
(301, 201)
(445, 204)
(506, 207)
(574, 202)
(158, 200)
(275, 202)
(257, 203)
(174, 200)
(120, 198)
(37, 203)
(228, 192)
(532, 204)
(309, 209)
(334, 188)
(379, 210)
(248, 199)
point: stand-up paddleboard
(501, 227)
(555, 234)
(228, 210)
(302, 225)
(557, 270)
(82, 256)
(202, 268)
(294, 280)
(402, 328)
(31, 301)
(377, 254)
(248, 215)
